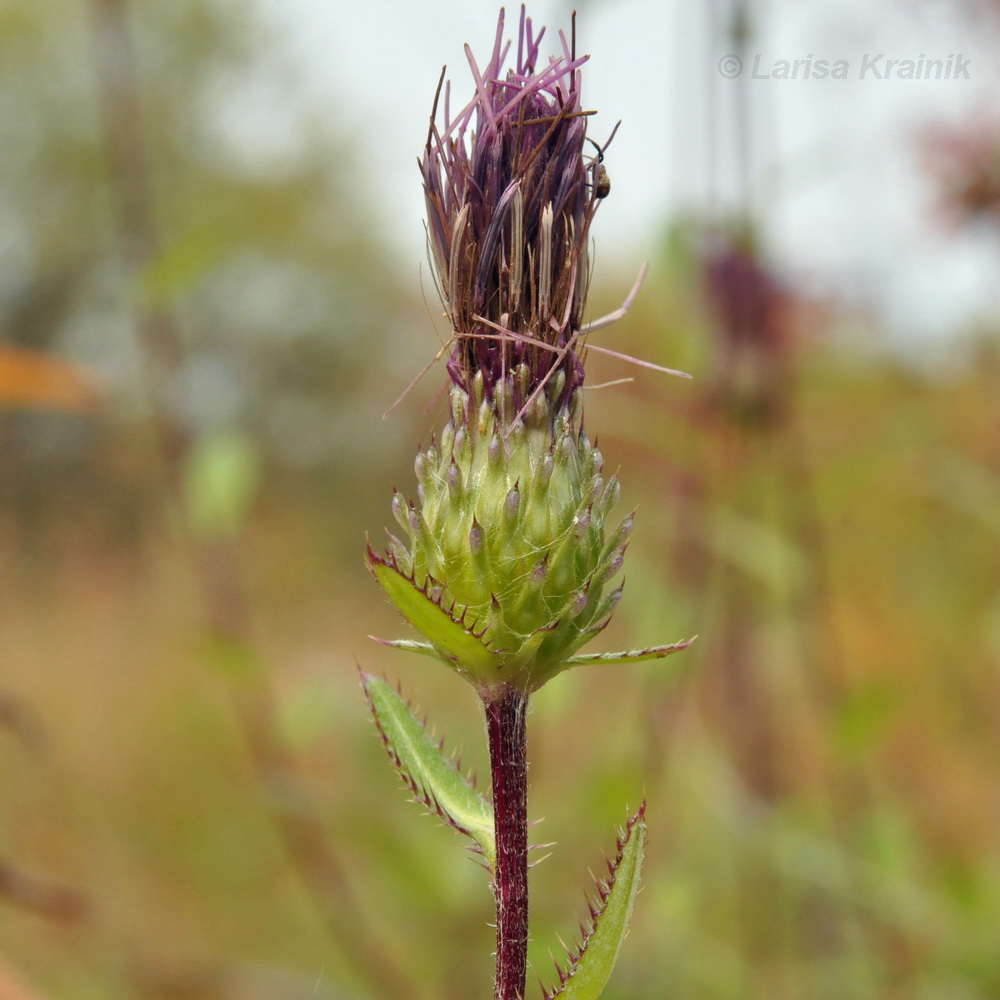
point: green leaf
(631, 655)
(180, 265)
(220, 480)
(454, 639)
(230, 655)
(410, 645)
(431, 775)
(591, 965)
(763, 552)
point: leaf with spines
(631, 655)
(409, 645)
(454, 637)
(591, 965)
(427, 771)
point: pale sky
(834, 164)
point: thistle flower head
(509, 547)
(510, 197)
(754, 343)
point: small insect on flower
(510, 198)
(601, 182)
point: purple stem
(505, 720)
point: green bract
(507, 552)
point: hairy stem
(505, 720)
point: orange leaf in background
(36, 380)
(12, 987)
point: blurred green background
(198, 339)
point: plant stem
(217, 566)
(505, 720)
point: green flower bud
(509, 547)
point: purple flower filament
(510, 198)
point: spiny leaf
(410, 645)
(428, 772)
(631, 655)
(591, 965)
(455, 639)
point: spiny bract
(507, 540)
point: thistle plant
(507, 559)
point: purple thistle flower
(510, 198)
(511, 546)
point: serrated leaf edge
(597, 908)
(421, 794)
(409, 646)
(631, 655)
(434, 591)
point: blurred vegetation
(200, 331)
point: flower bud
(526, 564)
(399, 511)
(508, 552)
(475, 538)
